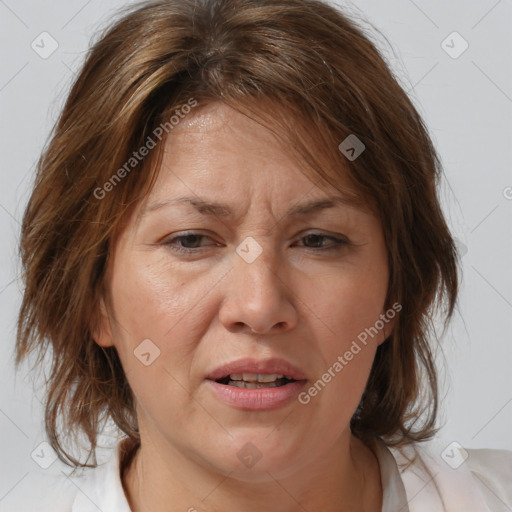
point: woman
(234, 249)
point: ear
(386, 330)
(102, 331)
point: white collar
(102, 488)
(425, 485)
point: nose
(257, 299)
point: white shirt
(441, 479)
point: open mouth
(255, 381)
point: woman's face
(231, 270)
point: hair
(305, 70)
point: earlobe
(102, 331)
(387, 330)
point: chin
(265, 470)
(257, 457)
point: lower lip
(257, 399)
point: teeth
(253, 377)
(252, 385)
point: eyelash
(171, 243)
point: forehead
(217, 154)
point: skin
(297, 301)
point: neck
(346, 478)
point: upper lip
(255, 366)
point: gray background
(466, 102)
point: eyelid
(339, 241)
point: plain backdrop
(465, 97)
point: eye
(316, 241)
(190, 243)
(186, 243)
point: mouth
(255, 380)
(251, 384)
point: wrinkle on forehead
(217, 117)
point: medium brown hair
(307, 71)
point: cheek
(155, 333)
(347, 357)
(349, 338)
(151, 298)
(349, 307)
(349, 304)
(156, 319)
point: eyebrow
(223, 210)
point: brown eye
(187, 243)
(317, 241)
